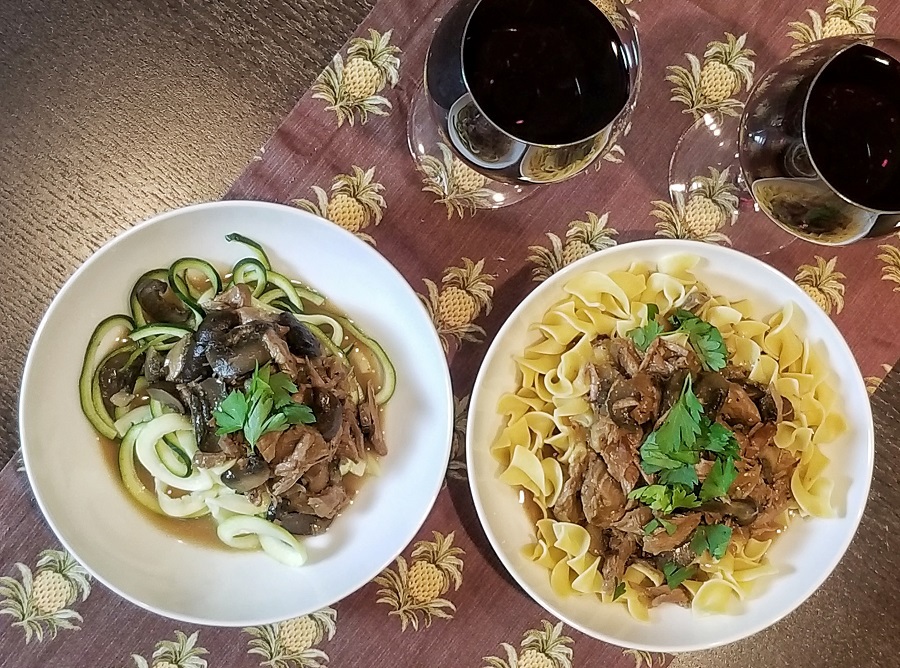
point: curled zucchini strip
(128, 472)
(89, 383)
(190, 505)
(316, 319)
(149, 454)
(276, 541)
(386, 374)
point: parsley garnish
(643, 336)
(719, 480)
(675, 448)
(675, 575)
(265, 406)
(704, 338)
(620, 590)
(658, 522)
(720, 439)
(713, 539)
(664, 499)
(672, 445)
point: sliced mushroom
(329, 413)
(159, 303)
(301, 524)
(301, 341)
(633, 401)
(119, 372)
(238, 351)
(247, 474)
(712, 391)
(743, 510)
(154, 366)
(165, 393)
(202, 398)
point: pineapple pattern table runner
(341, 153)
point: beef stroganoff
(661, 437)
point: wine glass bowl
(527, 93)
(820, 140)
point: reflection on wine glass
(522, 93)
(817, 148)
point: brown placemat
(471, 267)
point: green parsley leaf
(704, 338)
(675, 575)
(620, 590)
(670, 527)
(651, 526)
(682, 426)
(653, 458)
(672, 446)
(718, 438)
(276, 422)
(713, 539)
(683, 498)
(684, 475)
(282, 389)
(643, 336)
(719, 479)
(298, 414)
(254, 427)
(264, 406)
(665, 499)
(259, 381)
(231, 413)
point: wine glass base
(456, 183)
(709, 195)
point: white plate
(804, 556)
(83, 500)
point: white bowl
(88, 509)
(804, 555)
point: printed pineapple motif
(842, 17)
(823, 284)
(644, 658)
(546, 648)
(611, 9)
(615, 155)
(710, 87)
(292, 643)
(351, 89)
(612, 12)
(418, 589)
(40, 602)
(457, 186)
(179, 653)
(891, 269)
(874, 382)
(457, 466)
(356, 202)
(711, 203)
(465, 294)
(582, 238)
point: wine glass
(817, 148)
(523, 94)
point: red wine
(852, 124)
(545, 71)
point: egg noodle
(545, 417)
